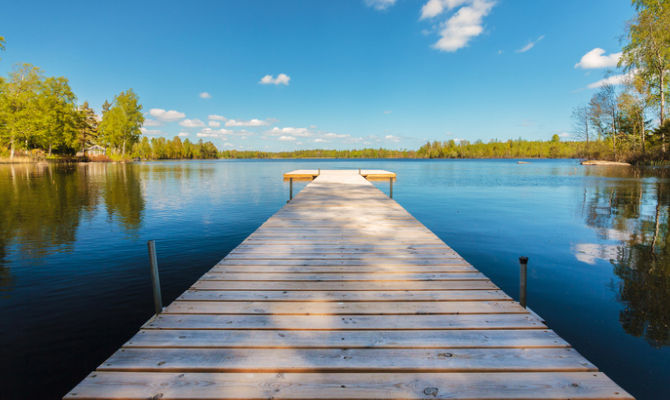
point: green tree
(121, 121)
(20, 111)
(648, 52)
(61, 117)
(87, 128)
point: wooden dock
(342, 294)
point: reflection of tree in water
(639, 213)
(123, 195)
(43, 204)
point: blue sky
(282, 75)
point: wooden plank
(349, 308)
(346, 360)
(347, 339)
(346, 322)
(344, 295)
(379, 277)
(340, 269)
(349, 286)
(359, 386)
(307, 262)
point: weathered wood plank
(359, 386)
(349, 308)
(343, 269)
(257, 276)
(345, 322)
(344, 295)
(340, 285)
(346, 360)
(434, 339)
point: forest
(625, 120)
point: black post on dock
(290, 185)
(155, 281)
(391, 187)
(523, 263)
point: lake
(75, 283)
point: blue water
(74, 279)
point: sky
(342, 74)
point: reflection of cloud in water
(590, 252)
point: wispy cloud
(276, 131)
(151, 122)
(205, 95)
(281, 79)
(168, 116)
(192, 123)
(462, 26)
(286, 138)
(613, 80)
(214, 133)
(530, 45)
(146, 131)
(379, 4)
(215, 117)
(251, 122)
(183, 134)
(214, 124)
(596, 58)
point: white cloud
(564, 134)
(463, 25)
(434, 8)
(151, 122)
(289, 131)
(215, 117)
(228, 144)
(392, 138)
(214, 124)
(379, 4)
(319, 140)
(183, 134)
(209, 132)
(388, 112)
(205, 95)
(146, 131)
(530, 45)
(596, 58)
(168, 116)
(281, 79)
(192, 123)
(286, 138)
(331, 135)
(612, 80)
(251, 122)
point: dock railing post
(359, 171)
(155, 281)
(523, 280)
(391, 187)
(290, 184)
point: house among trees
(95, 150)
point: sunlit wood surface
(342, 294)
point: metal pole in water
(290, 184)
(155, 281)
(523, 263)
(391, 187)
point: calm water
(74, 280)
